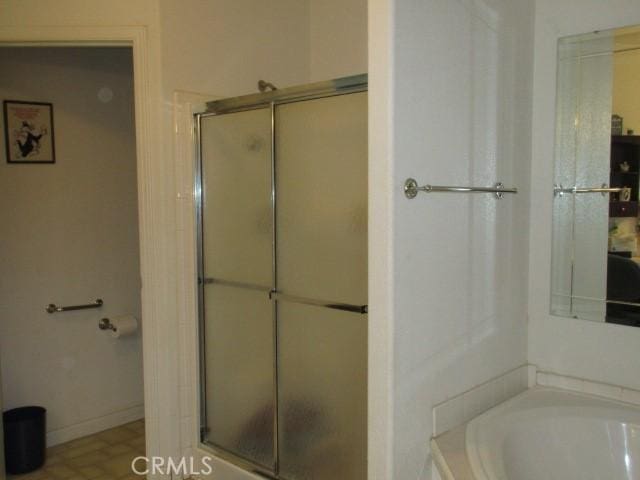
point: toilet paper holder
(105, 324)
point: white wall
(454, 110)
(224, 47)
(72, 237)
(338, 38)
(381, 187)
(591, 350)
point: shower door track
(331, 88)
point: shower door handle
(233, 283)
(275, 295)
(345, 307)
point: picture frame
(28, 132)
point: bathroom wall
(592, 350)
(232, 44)
(338, 38)
(626, 97)
(71, 237)
(451, 105)
(223, 47)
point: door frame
(155, 220)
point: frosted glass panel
(322, 393)
(239, 372)
(236, 197)
(322, 198)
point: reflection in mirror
(595, 266)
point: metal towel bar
(53, 308)
(559, 190)
(411, 189)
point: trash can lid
(23, 413)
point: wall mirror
(595, 266)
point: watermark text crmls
(186, 466)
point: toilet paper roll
(124, 326)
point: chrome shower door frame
(331, 88)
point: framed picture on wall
(28, 132)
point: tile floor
(103, 456)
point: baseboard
(94, 425)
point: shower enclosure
(283, 280)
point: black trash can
(24, 439)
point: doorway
(71, 239)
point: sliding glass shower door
(237, 276)
(284, 284)
(321, 184)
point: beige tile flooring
(103, 456)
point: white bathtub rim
(470, 441)
(606, 401)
